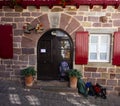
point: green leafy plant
(74, 73)
(29, 71)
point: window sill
(100, 64)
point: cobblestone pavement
(14, 94)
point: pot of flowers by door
(74, 75)
(29, 74)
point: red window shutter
(116, 49)
(6, 42)
(81, 48)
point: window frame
(98, 48)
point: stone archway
(53, 20)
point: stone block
(4, 74)
(101, 81)
(27, 42)
(35, 14)
(18, 32)
(57, 9)
(117, 89)
(96, 24)
(64, 20)
(102, 70)
(23, 57)
(79, 18)
(105, 75)
(28, 51)
(19, 19)
(17, 39)
(73, 25)
(118, 70)
(118, 76)
(44, 21)
(90, 69)
(111, 70)
(116, 16)
(93, 19)
(116, 22)
(96, 75)
(107, 25)
(5, 19)
(2, 67)
(17, 50)
(118, 82)
(12, 14)
(87, 74)
(84, 8)
(86, 24)
(26, 14)
(32, 59)
(112, 82)
(112, 76)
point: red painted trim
(116, 49)
(81, 48)
(77, 3)
(6, 42)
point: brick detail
(64, 20)
(12, 14)
(27, 50)
(96, 75)
(105, 75)
(116, 22)
(102, 70)
(112, 82)
(111, 70)
(90, 69)
(45, 21)
(101, 81)
(87, 74)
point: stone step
(53, 86)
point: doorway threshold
(53, 86)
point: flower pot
(29, 80)
(73, 82)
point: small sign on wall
(42, 50)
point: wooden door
(49, 55)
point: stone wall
(70, 19)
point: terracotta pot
(73, 82)
(29, 80)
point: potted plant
(74, 75)
(28, 73)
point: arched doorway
(54, 46)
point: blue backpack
(64, 67)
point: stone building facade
(70, 19)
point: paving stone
(14, 93)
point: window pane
(93, 48)
(103, 56)
(93, 56)
(94, 39)
(104, 39)
(103, 47)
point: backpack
(82, 87)
(90, 88)
(100, 91)
(64, 67)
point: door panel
(51, 51)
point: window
(99, 47)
